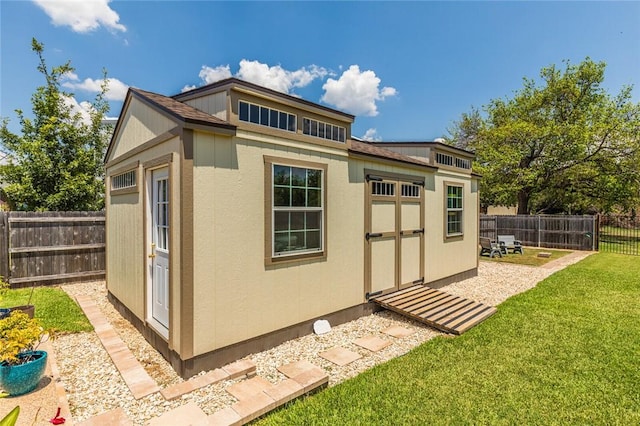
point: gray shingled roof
(375, 151)
(180, 110)
(190, 114)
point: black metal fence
(550, 231)
(619, 234)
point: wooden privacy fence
(46, 247)
(550, 231)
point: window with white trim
(124, 180)
(463, 163)
(410, 190)
(297, 210)
(383, 188)
(454, 210)
(445, 159)
(258, 114)
(323, 130)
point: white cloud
(211, 75)
(356, 92)
(187, 87)
(70, 76)
(371, 135)
(116, 90)
(83, 108)
(82, 16)
(276, 77)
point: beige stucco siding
(419, 152)
(139, 123)
(236, 295)
(214, 104)
(124, 267)
(449, 256)
(127, 247)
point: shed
(238, 215)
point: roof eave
(363, 155)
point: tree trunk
(523, 201)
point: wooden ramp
(436, 308)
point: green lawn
(565, 352)
(53, 307)
(528, 257)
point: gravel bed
(93, 384)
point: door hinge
(419, 231)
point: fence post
(4, 246)
(593, 235)
(538, 230)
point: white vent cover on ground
(321, 327)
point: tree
(564, 145)
(56, 161)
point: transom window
(383, 188)
(454, 210)
(298, 210)
(264, 116)
(445, 159)
(450, 160)
(323, 130)
(124, 180)
(463, 163)
(410, 190)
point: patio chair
(509, 242)
(490, 247)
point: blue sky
(407, 70)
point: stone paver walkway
(340, 356)
(115, 417)
(132, 372)
(398, 331)
(228, 372)
(372, 343)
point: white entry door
(158, 288)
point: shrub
(19, 334)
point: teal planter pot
(20, 379)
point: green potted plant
(21, 364)
(28, 309)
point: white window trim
(272, 256)
(287, 129)
(344, 130)
(453, 209)
(296, 209)
(133, 188)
